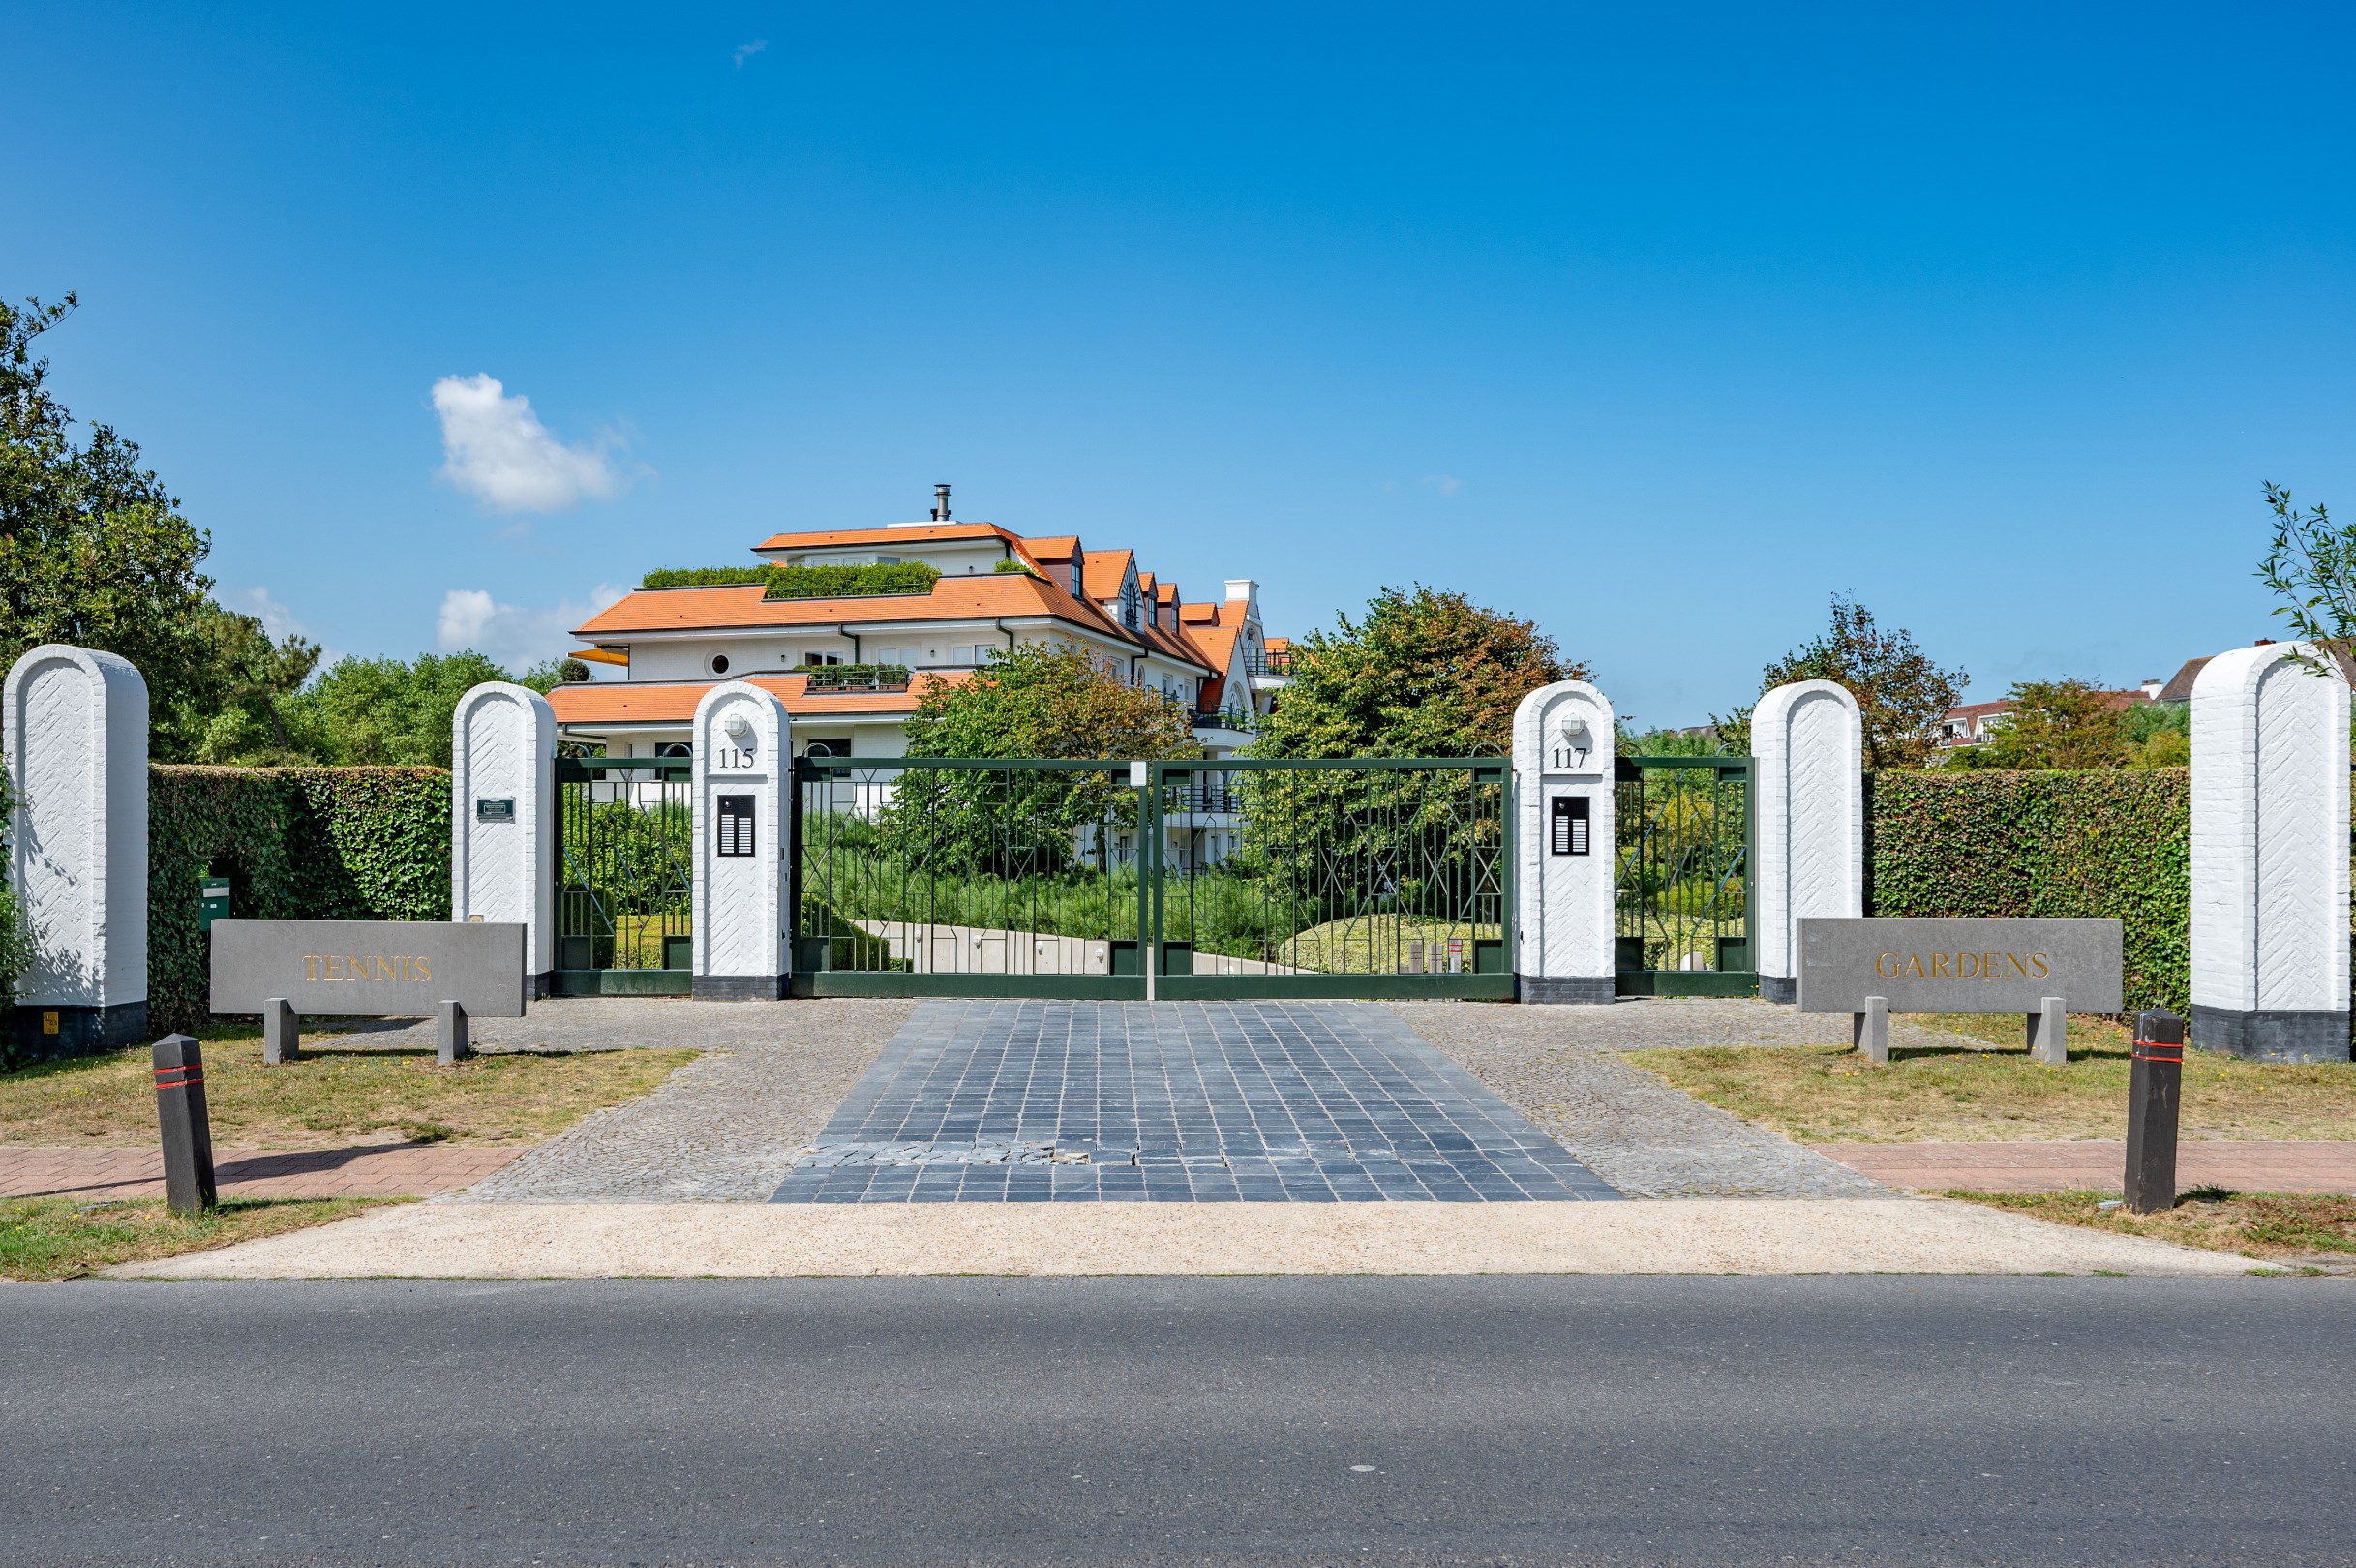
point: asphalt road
(1525, 1420)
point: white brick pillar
(743, 766)
(1808, 807)
(2270, 856)
(1563, 758)
(503, 819)
(75, 731)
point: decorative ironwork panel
(1681, 905)
(625, 864)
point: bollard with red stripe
(2155, 1094)
(187, 1132)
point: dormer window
(1132, 606)
(1076, 577)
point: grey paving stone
(1081, 1100)
(1561, 1067)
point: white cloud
(274, 618)
(745, 51)
(496, 449)
(517, 636)
(1447, 484)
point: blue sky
(1658, 329)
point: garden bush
(2112, 843)
(802, 581)
(296, 843)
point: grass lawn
(66, 1237)
(332, 1097)
(1964, 1094)
(2293, 1228)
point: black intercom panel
(1569, 835)
(736, 825)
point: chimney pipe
(940, 503)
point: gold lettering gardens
(344, 966)
(1989, 966)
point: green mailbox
(212, 900)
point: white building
(850, 670)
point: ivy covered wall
(2111, 842)
(311, 844)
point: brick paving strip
(2097, 1165)
(369, 1170)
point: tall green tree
(1424, 673)
(379, 711)
(1900, 692)
(2066, 723)
(93, 549)
(241, 705)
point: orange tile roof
(646, 702)
(1275, 645)
(721, 609)
(933, 531)
(1103, 571)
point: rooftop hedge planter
(804, 582)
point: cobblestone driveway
(1268, 1101)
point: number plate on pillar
(736, 825)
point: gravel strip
(1560, 1066)
(725, 1127)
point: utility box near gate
(212, 900)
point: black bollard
(187, 1132)
(2155, 1094)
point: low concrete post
(2154, 1095)
(503, 819)
(743, 863)
(2270, 856)
(1869, 1029)
(186, 1125)
(450, 1041)
(282, 1039)
(76, 732)
(1563, 759)
(1808, 752)
(2049, 1033)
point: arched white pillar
(76, 727)
(2270, 856)
(743, 766)
(503, 819)
(1808, 806)
(1563, 759)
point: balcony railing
(842, 680)
(1276, 663)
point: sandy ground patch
(1669, 1236)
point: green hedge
(804, 582)
(310, 843)
(2109, 843)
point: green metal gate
(1229, 878)
(1682, 879)
(624, 876)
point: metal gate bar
(1681, 882)
(1230, 878)
(624, 876)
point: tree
(241, 706)
(2312, 565)
(379, 711)
(2066, 723)
(1036, 700)
(93, 550)
(1424, 673)
(1900, 693)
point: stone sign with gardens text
(1959, 965)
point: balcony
(852, 680)
(1269, 666)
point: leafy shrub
(804, 582)
(2113, 843)
(705, 577)
(297, 843)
